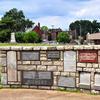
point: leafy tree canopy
(63, 37)
(16, 21)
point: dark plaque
(88, 56)
(32, 55)
(37, 78)
(53, 54)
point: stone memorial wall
(51, 67)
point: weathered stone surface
(3, 62)
(95, 65)
(4, 78)
(35, 62)
(62, 55)
(26, 62)
(52, 68)
(19, 62)
(78, 47)
(36, 48)
(43, 58)
(79, 69)
(69, 47)
(85, 78)
(89, 69)
(98, 70)
(43, 55)
(66, 81)
(43, 48)
(81, 64)
(46, 62)
(26, 67)
(72, 74)
(11, 66)
(42, 52)
(58, 63)
(60, 68)
(88, 47)
(27, 48)
(5, 47)
(41, 67)
(18, 56)
(60, 47)
(16, 47)
(19, 76)
(70, 61)
(2, 55)
(64, 73)
(56, 73)
(89, 65)
(3, 69)
(99, 59)
(52, 48)
(84, 86)
(30, 55)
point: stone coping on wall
(65, 47)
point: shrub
(63, 37)
(5, 35)
(19, 37)
(31, 37)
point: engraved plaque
(66, 82)
(32, 55)
(53, 55)
(69, 61)
(84, 80)
(88, 56)
(97, 82)
(37, 78)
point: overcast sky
(59, 13)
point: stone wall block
(81, 64)
(41, 67)
(89, 65)
(52, 68)
(46, 62)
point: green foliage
(63, 37)
(44, 28)
(31, 37)
(82, 27)
(19, 37)
(5, 35)
(15, 21)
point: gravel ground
(32, 94)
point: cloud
(59, 13)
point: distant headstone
(13, 40)
(66, 82)
(32, 55)
(84, 80)
(70, 61)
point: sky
(56, 13)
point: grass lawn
(27, 44)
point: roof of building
(94, 36)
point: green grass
(26, 44)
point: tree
(31, 37)
(63, 37)
(15, 20)
(82, 27)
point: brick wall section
(61, 78)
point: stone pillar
(11, 66)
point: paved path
(32, 94)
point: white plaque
(85, 78)
(97, 79)
(70, 61)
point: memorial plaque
(53, 55)
(88, 56)
(97, 82)
(37, 78)
(84, 80)
(70, 61)
(66, 82)
(32, 55)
